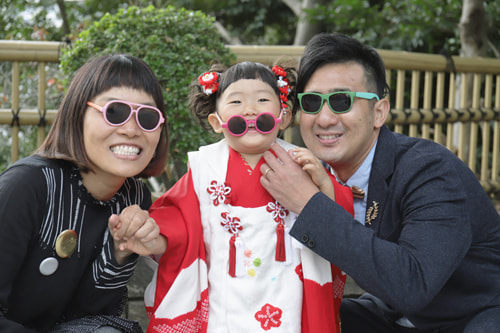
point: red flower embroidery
(219, 192)
(277, 211)
(231, 224)
(269, 317)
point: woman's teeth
(125, 150)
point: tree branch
(495, 50)
(226, 36)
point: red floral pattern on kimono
(269, 317)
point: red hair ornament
(209, 82)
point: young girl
(230, 265)
(74, 215)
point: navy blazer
(430, 248)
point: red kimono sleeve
(177, 213)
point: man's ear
(286, 119)
(215, 123)
(380, 111)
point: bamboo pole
(14, 148)
(41, 102)
(440, 88)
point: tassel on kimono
(240, 257)
(236, 257)
(232, 256)
(280, 243)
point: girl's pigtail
(202, 97)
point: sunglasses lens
(148, 118)
(117, 113)
(310, 103)
(237, 125)
(265, 123)
(340, 102)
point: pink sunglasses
(117, 113)
(238, 125)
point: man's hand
(285, 180)
(134, 231)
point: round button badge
(66, 243)
(48, 266)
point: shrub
(178, 44)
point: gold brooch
(371, 213)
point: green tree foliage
(261, 22)
(11, 23)
(426, 26)
(412, 25)
(252, 21)
(178, 44)
(29, 20)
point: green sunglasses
(339, 101)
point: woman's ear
(215, 123)
(286, 119)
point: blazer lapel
(381, 172)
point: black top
(39, 199)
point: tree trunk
(473, 27)
(305, 30)
(64, 17)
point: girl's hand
(313, 166)
(134, 231)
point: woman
(74, 214)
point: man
(425, 241)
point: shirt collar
(362, 176)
